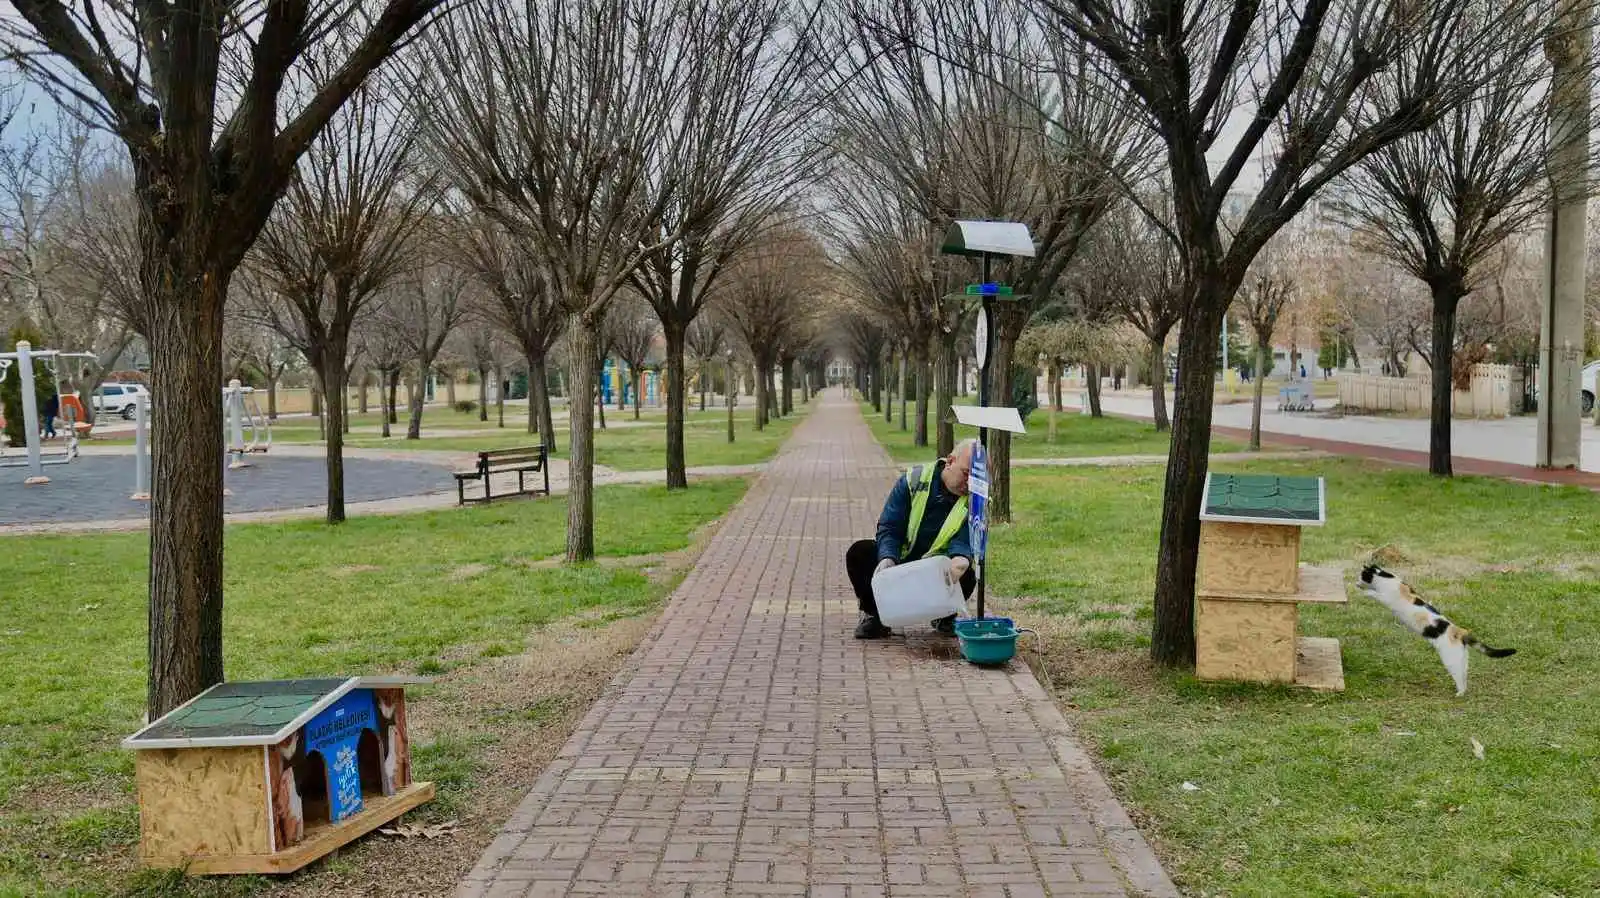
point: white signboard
(1002, 417)
(981, 338)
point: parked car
(1589, 372)
(118, 399)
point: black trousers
(861, 562)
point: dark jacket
(897, 514)
(52, 407)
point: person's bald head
(958, 467)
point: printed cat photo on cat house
(266, 777)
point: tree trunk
(1172, 632)
(366, 383)
(944, 376)
(1094, 391)
(961, 384)
(622, 395)
(677, 383)
(1053, 390)
(599, 401)
(761, 399)
(902, 389)
(414, 426)
(316, 407)
(1158, 383)
(787, 406)
(185, 611)
(1011, 321)
(333, 387)
(483, 393)
(500, 395)
(919, 435)
(390, 411)
(272, 398)
(580, 466)
(450, 388)
(539, 392)
(1260, 387)
(1444, 339)
(638, 387)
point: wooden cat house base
(1251, 583)
(267, 777)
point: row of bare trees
(1146, 118)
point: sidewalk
(1490, 448)
(754, 748)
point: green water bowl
(988, 640)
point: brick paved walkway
(755, 748)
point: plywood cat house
(267, 777)
(1251, 584)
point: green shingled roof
(1264, 498)
(241, 709)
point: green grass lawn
(424, 593)
(1077, 436)
(1375, 791)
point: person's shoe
(946, 626)
(871, 628)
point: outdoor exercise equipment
(1251, 583)
(241, 414)
(22, 360)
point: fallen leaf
(1477, 749)
(416, 831)
(11, 633)
(1190, 787)
(94, 607)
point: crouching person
(925, 514)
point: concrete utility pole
(1561, 326)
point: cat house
(1251, 583)
(266, 777)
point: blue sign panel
(978, 502)
(336, 735)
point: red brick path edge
(752, 747)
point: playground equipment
(241, 413)
(1296, 396)
(22, 360)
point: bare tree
(548, 118)
(1314, 87)
(423, 310)
(1438, 203)
(970, 111)
(766, 298)
(519, 302)
(388, 351)
(706, 338)
(1262, 299)
(344, 231)
(1135, 263)
(634, 336)
(193, 89)
(742, 156)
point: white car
(1589, 372)
(119, 399)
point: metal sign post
(985, 239)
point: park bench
(522, 460)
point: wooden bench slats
(522, 460)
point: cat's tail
(1487, 649)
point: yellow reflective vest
(919, 482)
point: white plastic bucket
(917, 593)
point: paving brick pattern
(754, 748)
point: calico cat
(1450, 640)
